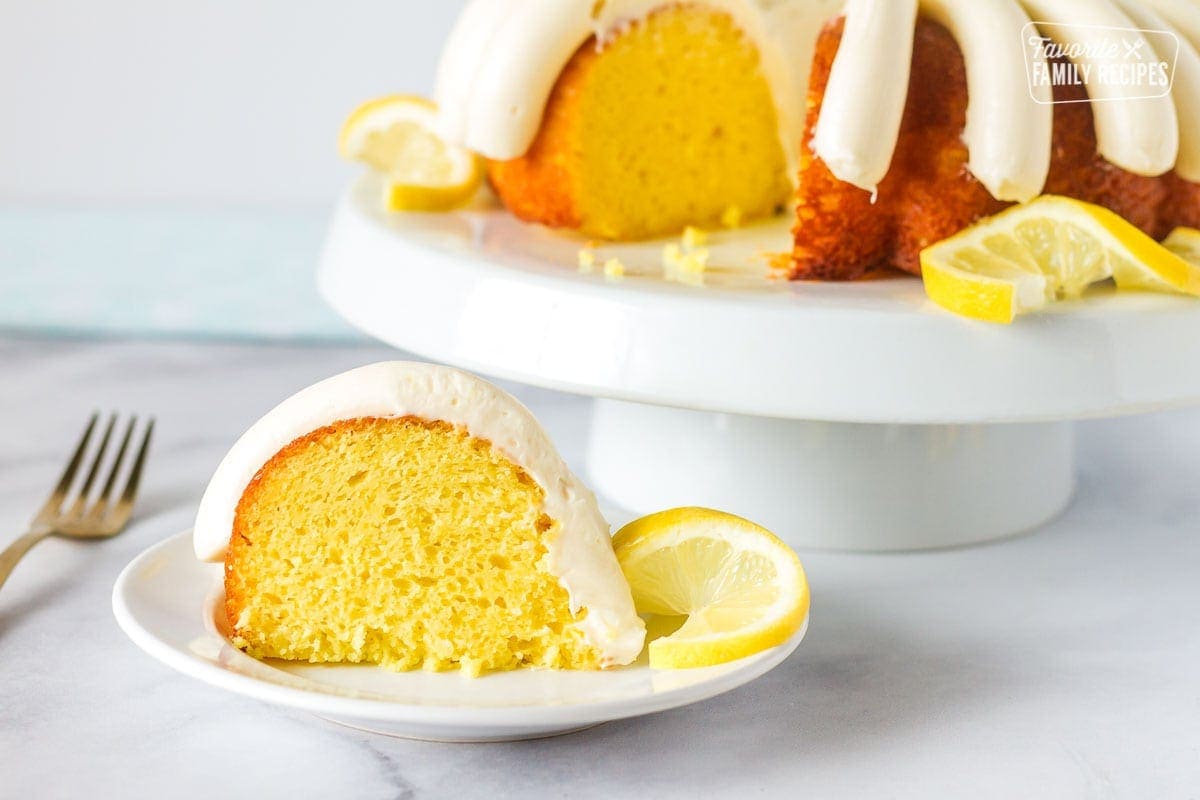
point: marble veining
(1057, 665)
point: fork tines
(102, 515)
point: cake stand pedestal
(836, 484)
(846, 416)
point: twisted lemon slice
(735, 588)
(1048, 249)
(395, 136)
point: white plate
(165, 600)
(481, 290)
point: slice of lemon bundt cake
(412, 515)
(626, 120)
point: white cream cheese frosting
(864, 99)
(1182, 20)
(504, 56)
(581, 554)
(1183, 16)
(1007, 136)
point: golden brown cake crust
(1182, 205)
(542, 185)
(927, 193)
(1077, 169)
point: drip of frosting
(1007, 132)
(1183, 15)
(1182, 18)
(580, 555)
(864, 99)
(504, 56)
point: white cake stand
(848, 416)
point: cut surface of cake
(668, 122)
(625, 119)
(413, 516)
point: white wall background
(233, 103)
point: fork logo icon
(1133, 49)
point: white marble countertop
(1062, 664)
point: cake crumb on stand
(587, 260)
(685, 261)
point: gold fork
(78, 520)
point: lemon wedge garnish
(395, 136)
(1049, 249)
(731, 586)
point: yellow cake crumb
(587, 260)
(613, 268)
(671, 254)
(692, 266)
(695, 261)
(693, 237)
(731, 217)
(685, 262)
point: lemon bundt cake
(631, 118)
(413, 516)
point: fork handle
(13, 553)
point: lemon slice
(731, 586)
(1045, 250)
(395, 136)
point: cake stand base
(831, 485)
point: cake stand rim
(880, 358)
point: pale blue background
(168, 169)
(164, 273)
